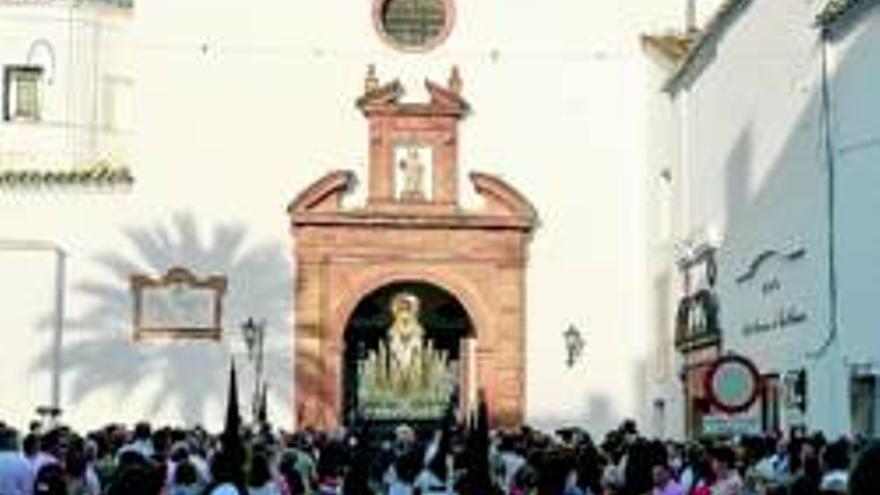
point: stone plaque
(178, 305)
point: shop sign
(771, 290)
(727, 425)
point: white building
(68, 83)
(239, 105)
(761, 171)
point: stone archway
(448, 333)
(343, 254)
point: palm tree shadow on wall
(99, 348)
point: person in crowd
(30, 446)
(528, 462)
(186, 480)
(589, 466)
(260, 478)
(141, 441)
(403, 473)
(53, 448)
(51, 480)
(16, 473)
(434, 478)
(146, 478)
(664, 483)
(864, 479)
(809, 475)
(357, 478)
(835, 468)
(727, 479)
(227, 478)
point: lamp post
(574, 345)
(254, 333)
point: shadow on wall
(100, 352)
(599, 418)
(790, 208)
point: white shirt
(42, 460)
(399, 488)
(428, 483)
(225, 489)
(270, 488)
(16, 474)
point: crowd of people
(116, 460)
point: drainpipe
(831, 189)
(58, 317)
(690, 16)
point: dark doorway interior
(444, 318)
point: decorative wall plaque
(178, 305)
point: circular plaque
(733, 384)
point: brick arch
(462, 290)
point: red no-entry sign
(733, 384)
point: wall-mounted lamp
(574, 345)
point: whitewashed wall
(240, 105)
(756, 171)
(663, 287)
(855, 53)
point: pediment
(325, 194)
(502, 199)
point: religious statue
(405, 376)
(405, 341)
(413, 175)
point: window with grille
(21, 99)
(414, 23)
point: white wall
(81, 49)
(241, 105)
(27, 333)
(855, 53)
(756, 170)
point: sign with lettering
(726, 425)
(778, 310)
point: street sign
(727, 425)
(733, 384)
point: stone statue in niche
(412, 174)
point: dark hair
(50, 481)
(407, 466)
(8, 439)
(225, 469)
(51, 441)
(142, 431)
(865, 477)
(185, 474)
(146, 479)
(724, 454)
(288, 470)
(836, 455)
(31, 444)
(259, 474)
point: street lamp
(254, 333)
(574, 345)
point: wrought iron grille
(413, 23)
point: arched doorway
(377, 386)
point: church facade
(413, 229)
(221, 113)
